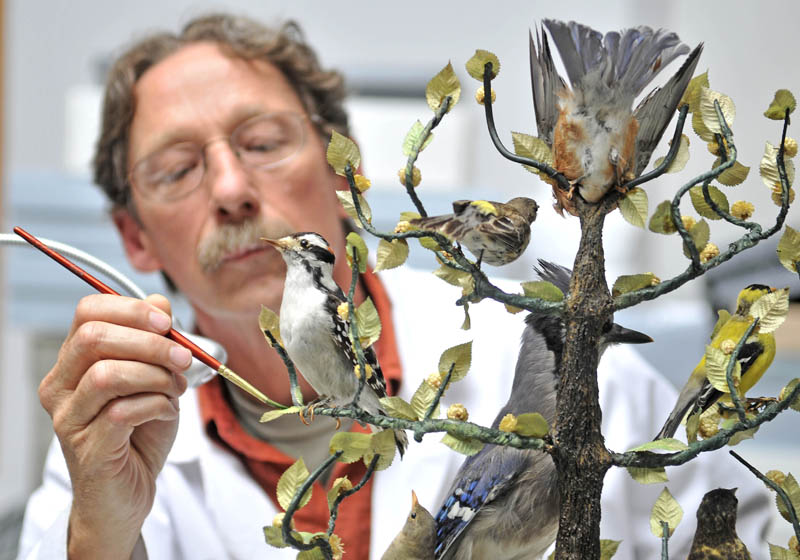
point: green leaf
(792, 489)
(734, 175)
(381, 443)
(341, 151)
(667, 444)
(771, 309)
(779, 553)
(422, 399)
(542, 290)
(700, 234)
(274, 536)
(633, 282)
(429, 243)
(777, 109)
(476, 64)
(313, 554)
(356, 241)
(692, 94)
(273, 414)
(391, 254)
(397, 407)
(723, 317)
(703, 208)
(692, 425)
(716, 366)
(700, 128)
(789, 249)
(633, 207)
(459, 357)
(661, 221)
(648, 476)
(666, 509)
(681, 158)
(369, 323)
(353, 444)
(708, 112)
(340, 485)
(269, 322)
(414, 138)
(290, 482)
(441, 85)
(533, 148)
(466, 446)
(739, 436)
(608, 548)
(532, 424)
(408, 216)
(768, 167)
(787, 390)
(455, 277)
(346, 200)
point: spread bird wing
(340, 335)
(656, 110)
(545, 83)
(474, 489)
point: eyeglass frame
(315, 119)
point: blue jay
(504, 501)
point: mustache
(229, 239)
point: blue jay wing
(341, 336)
(656, 110)
(480, 480)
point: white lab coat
(208, 507)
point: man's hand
(113, 397)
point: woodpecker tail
(623, 61)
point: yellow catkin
(458, 411)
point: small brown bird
(417, 538)
(715, 538)
(495, 232)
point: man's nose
(233, 195)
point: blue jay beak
(620, 335)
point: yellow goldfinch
(755, 357)
(495, 232)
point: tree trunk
(582, 458)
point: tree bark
(581, 457)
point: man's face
(200, 95)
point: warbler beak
(414, 501)
(620, 335)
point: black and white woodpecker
(504, 501)
(315, 334)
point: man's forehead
(199, 85)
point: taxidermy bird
(417, 538)
(715, 537)
(598, 140)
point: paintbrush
(197, 352)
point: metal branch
(347, 493)
(351, 309)
(670, 157)
(439, 392)
(563, 182)
(787, 502)
(294, 386)
(286, 527)
(737, 402)
(647, 459)
(664, 540)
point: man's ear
(136, 242)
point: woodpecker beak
(279, 244)
(620, 335)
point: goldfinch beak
(620, 335)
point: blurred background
(54, 57)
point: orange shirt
(266, 463)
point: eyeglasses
(262, 142)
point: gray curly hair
(321, 91)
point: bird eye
(304, 244)
(413, 516)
